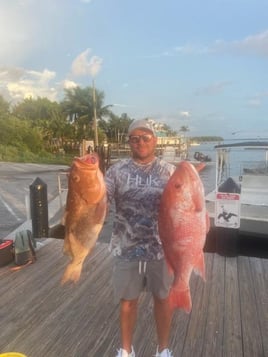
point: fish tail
(72, 273)
(180, 299)
(170, 269)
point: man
(136, 185)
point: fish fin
(100, 211)
(57, 231)
(199, 167)
(63, 218)
(199, 266)
(180, 299)
(78, 253)
(72, 273)
(169, 267)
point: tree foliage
(78, 106)
(116, 127)
(35, 125)
(4, 107)
(20, 134)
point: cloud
(190, 49)
(19, 83)
(68, 84)
(82, 66)
(251, 45)
(212, 89)
(122, 105)
(256, 44)
(16, 31)
(254, 102)
(185, 114)
(257, 99)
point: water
(208, 173)
(238, 159)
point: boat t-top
(240, 198)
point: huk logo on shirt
(139, 181)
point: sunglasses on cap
(135, 139)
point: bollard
(39, 208)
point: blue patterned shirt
(136, 190)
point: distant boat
(171, 156)
(199, 156)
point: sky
(200, 64)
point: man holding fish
(159, 230)
(136, 185)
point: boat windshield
(236, 160)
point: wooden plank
(54, 307)
(198, 317)
(232, 336)
(259, 268)
(41, 318)
(178, 332)
(215, 311)
(145, 327)
(251, 330)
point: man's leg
(128, 317)
(163, 317)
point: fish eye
(93, 160)
(76, 178)
(177, 185)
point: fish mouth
(91, 164)
(89, 159)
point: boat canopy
(245, 144)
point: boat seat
(230, 185)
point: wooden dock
(40, 318)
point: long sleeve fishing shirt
(136, 190)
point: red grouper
(85, 212)
(183, 224)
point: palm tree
(78, 106)
(184, 128)
(116, 127)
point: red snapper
(183, 225)
(85, 212)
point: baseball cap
(141, 124)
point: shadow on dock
(228, 242)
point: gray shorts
(131, 278)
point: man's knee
(128, 305)
(161, 302)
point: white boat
(240, 198)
